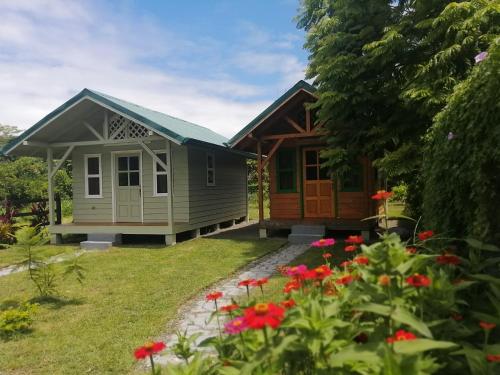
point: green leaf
(487, 278)
(375, 308)
(354, 353)
(476, 244)
(402, 315)
(421, 345)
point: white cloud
(51, 49)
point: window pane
(133, 163)
(311, 173)
(161, 184)
(286, 180)
(93, 165)
(163, 158)
(123, 179)
(286, 160)
(210, 177)
(134, 178)
(210, 161)
(123, 163)
(311, 157)
(93, 186)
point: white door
(128, 188)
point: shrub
(15, 320)
(40, 214)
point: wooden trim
(259, 182)
(105, 126)
(50, 188)
(272, 152)
(170, 188)
(111, 142)
(93, 131)
(308, 120)
(299, 128)
(63, 159)
(156, 173)
(288, 136)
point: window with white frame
(93, 176)
(210, 170)
(160, 175)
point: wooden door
(128, 188)
(318, 196)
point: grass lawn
(129, 296)
(253, 208)
(13, 255)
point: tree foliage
(463, 149)
(384, 69)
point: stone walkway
(195, 314)
(55, 259)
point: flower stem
(248, 292)
(266, 338)
(486, 337)
(152, 364)
(217, 316)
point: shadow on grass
(56, 302)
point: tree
(463, 148)
(384, 69)
(7, 132)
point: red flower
(345, 263)
(456, 316)
(297, 271)
(318, 273)
(401, 335)
(493, 357)
(384, 280)
(214, 296)
(229, 308)
(345, 280)
(382, 195)
(324, 242)
(448, 259)
(287, 304)
(246, 282)
(327, 255)
(361, 260)
(486, 325)
(291, 285)
(355, 240)
(411, 250)
(264, 314)
(350, 248)
(260, 282)
(235, 326)
(149, 349)
(422, 236)
(418, 280)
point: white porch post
(50, 159)
(170, 237)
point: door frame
(114, 184)
(303, 150)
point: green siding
(227, 199)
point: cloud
(51, 49)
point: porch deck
(330, 224)
(110, 228)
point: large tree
(384, 69)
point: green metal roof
(178, 130)
(301, 85)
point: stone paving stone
(194, 315)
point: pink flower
(297, 270)
(235, 326)
(324, 242)
(480, 57)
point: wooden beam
(154, 156)
(287, 136)
(308, 119)
(272, 152)
(104, 142)
(35, 144)
(63, 159)
(50, 188)
(170, 190)
(259, 182)
(93, 131)
(295, 125)
(105, 125)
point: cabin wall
(228, 198)
(284, 205)
(155, 209)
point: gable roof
(301, 85)
(178, 130)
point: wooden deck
(331, 224)
(106, 227)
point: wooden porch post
(259, 180)
(170, 237)
(50, 188)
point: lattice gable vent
(123, 128)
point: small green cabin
(135, 170)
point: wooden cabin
(135, 170)
(288, 141)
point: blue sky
(216, 63)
